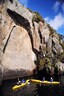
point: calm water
(32, 89)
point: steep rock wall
(15, 44)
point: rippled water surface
(32, 89)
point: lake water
(32, 89)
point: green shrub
(37, 17)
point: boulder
(18, 57)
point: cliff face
(15, 44)
(23, 34)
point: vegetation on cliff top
(37, 17)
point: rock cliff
(17, 56)
(24, 37)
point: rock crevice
(8, 39)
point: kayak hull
(44, 82)
(34, 81)
(18, 86)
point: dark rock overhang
(18, 19)
(3, 1)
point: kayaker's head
(23, 81)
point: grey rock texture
(15, 44)
(18, 55)
(57, 46)
(36, 37)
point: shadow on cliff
(18, 19)
(16, 74)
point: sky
(51, 10)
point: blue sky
(51, 10)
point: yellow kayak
(18, 86)
(53, 83)
(33, 81)
(38, 81)
(44, 82)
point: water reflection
(32, 89)
(29, 90)
(51, 90)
